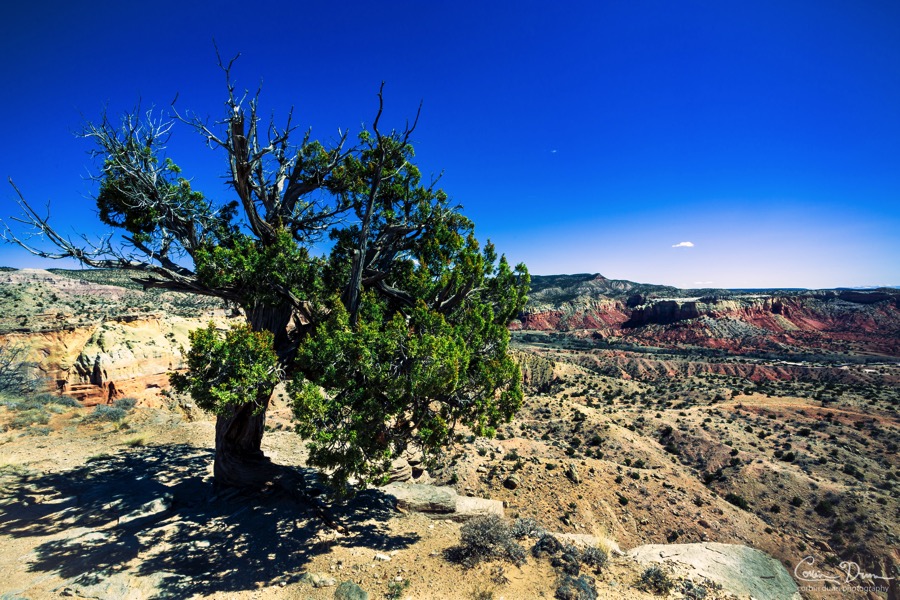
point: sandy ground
(96, 511)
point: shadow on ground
(150, 512)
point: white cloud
(683, 245)
(703, 283)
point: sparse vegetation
(486, 538)
(655, 580)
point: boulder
(441, 501)
(740, 570)
(400, 471)
(318, 580)
(422, 498)
(348, 590)
(469, 508)
(512, 482)
(572, 473)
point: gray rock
(414, 457)
(318, 580)
(441, 501)
(400, 471)
(512, 482)
(468, 507)
(422, 498)
(120, 586)
(350, 591)
(740, 570)
(572, 473)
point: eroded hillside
(767, 421)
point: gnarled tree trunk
(240, 461)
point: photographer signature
(850, 571)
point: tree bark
(240, 461)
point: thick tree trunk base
(242, 471)
(240, 461)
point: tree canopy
(391, 338)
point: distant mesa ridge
(725, 319)
(591, 305)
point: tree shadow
(152, 512)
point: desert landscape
(672, 443)
(450, 301)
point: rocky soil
(724, 428)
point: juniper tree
(391, 339)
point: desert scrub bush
(698, 591)
(125, 404)
(104, 412)
(655, 581)
(38, 402)
(594, 558)
(526, 527)
(571, 588)
(135, 441)
(486, 538)
(396, 589)
(568, 560)
(547, 545)
(29, 417)
(114, 412)
(737, 500)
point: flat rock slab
(741, 570)
(468, 508)
(422, 498)
(120, 586)
(441, 501)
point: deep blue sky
(580, 137)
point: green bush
(737, 500)
(28, 417)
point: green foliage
(737, 500)
(141, 195)
(399, 333)
(260, 272)
(228, 371)
(396, 379)
(410, 369)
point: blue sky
(580, 136)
